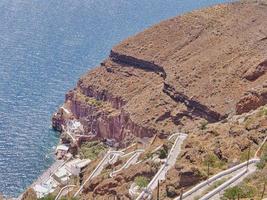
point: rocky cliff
(207, 64)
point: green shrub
(163, 153)
(263, 112)
(243, 191)
(203, 124)
(244, 155)
(262, 163)
(263, 159)
(92, 150)
(248, 191)
(92, 101)
(213, 161)
(232, 193)
(141, 181)
(48, 197)
(148, 155)
(96, 102)
(71, 198)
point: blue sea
(45, 45)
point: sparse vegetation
(263, 112)
(48, 197)
(248, 121)
(93, 102)
(263, 158)
(163, 152)
(243, 191)
(213, 161)
(141, 181)
(89, 100)
(256, 181)
(203, 125)
(147, 155)
(262, 162)
(214, 185)
(29, 195)
(92, 150)
(71, 198)
(245, 154)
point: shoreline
(45, 175)
(61, 157)
(48, 172)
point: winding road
(132, 160)
(170, 162)
(64, 191)
(111, 155)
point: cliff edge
(205, 65)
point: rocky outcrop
(178, 178)
(58, 121)
(195, 107)
(188, 68)
(132, 61)
(255, 72)
(102, 187)
(252, 99)
(98, 115)
(102, 95)
(249, 102)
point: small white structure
(77, 165)
(61, 150)
(62, 147)
(51, 183)
(62, 175)
(41, 190)
(74, 127)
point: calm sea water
(45, 45)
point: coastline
(47, 182)
(45, 175)
(31, 94)
(206, 144)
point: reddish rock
(255, 72)
(187, 68)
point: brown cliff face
(206, 64)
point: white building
(77, 165)
(62, 175)
(41, 191)
(74, 127)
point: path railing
(164, 168)
(128, 163)
(101, 164)
(217, 176)
(224, 185)
(62, 189)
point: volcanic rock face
(203, 65)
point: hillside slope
(203, 73)
(207, 64)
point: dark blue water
(45, 45)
